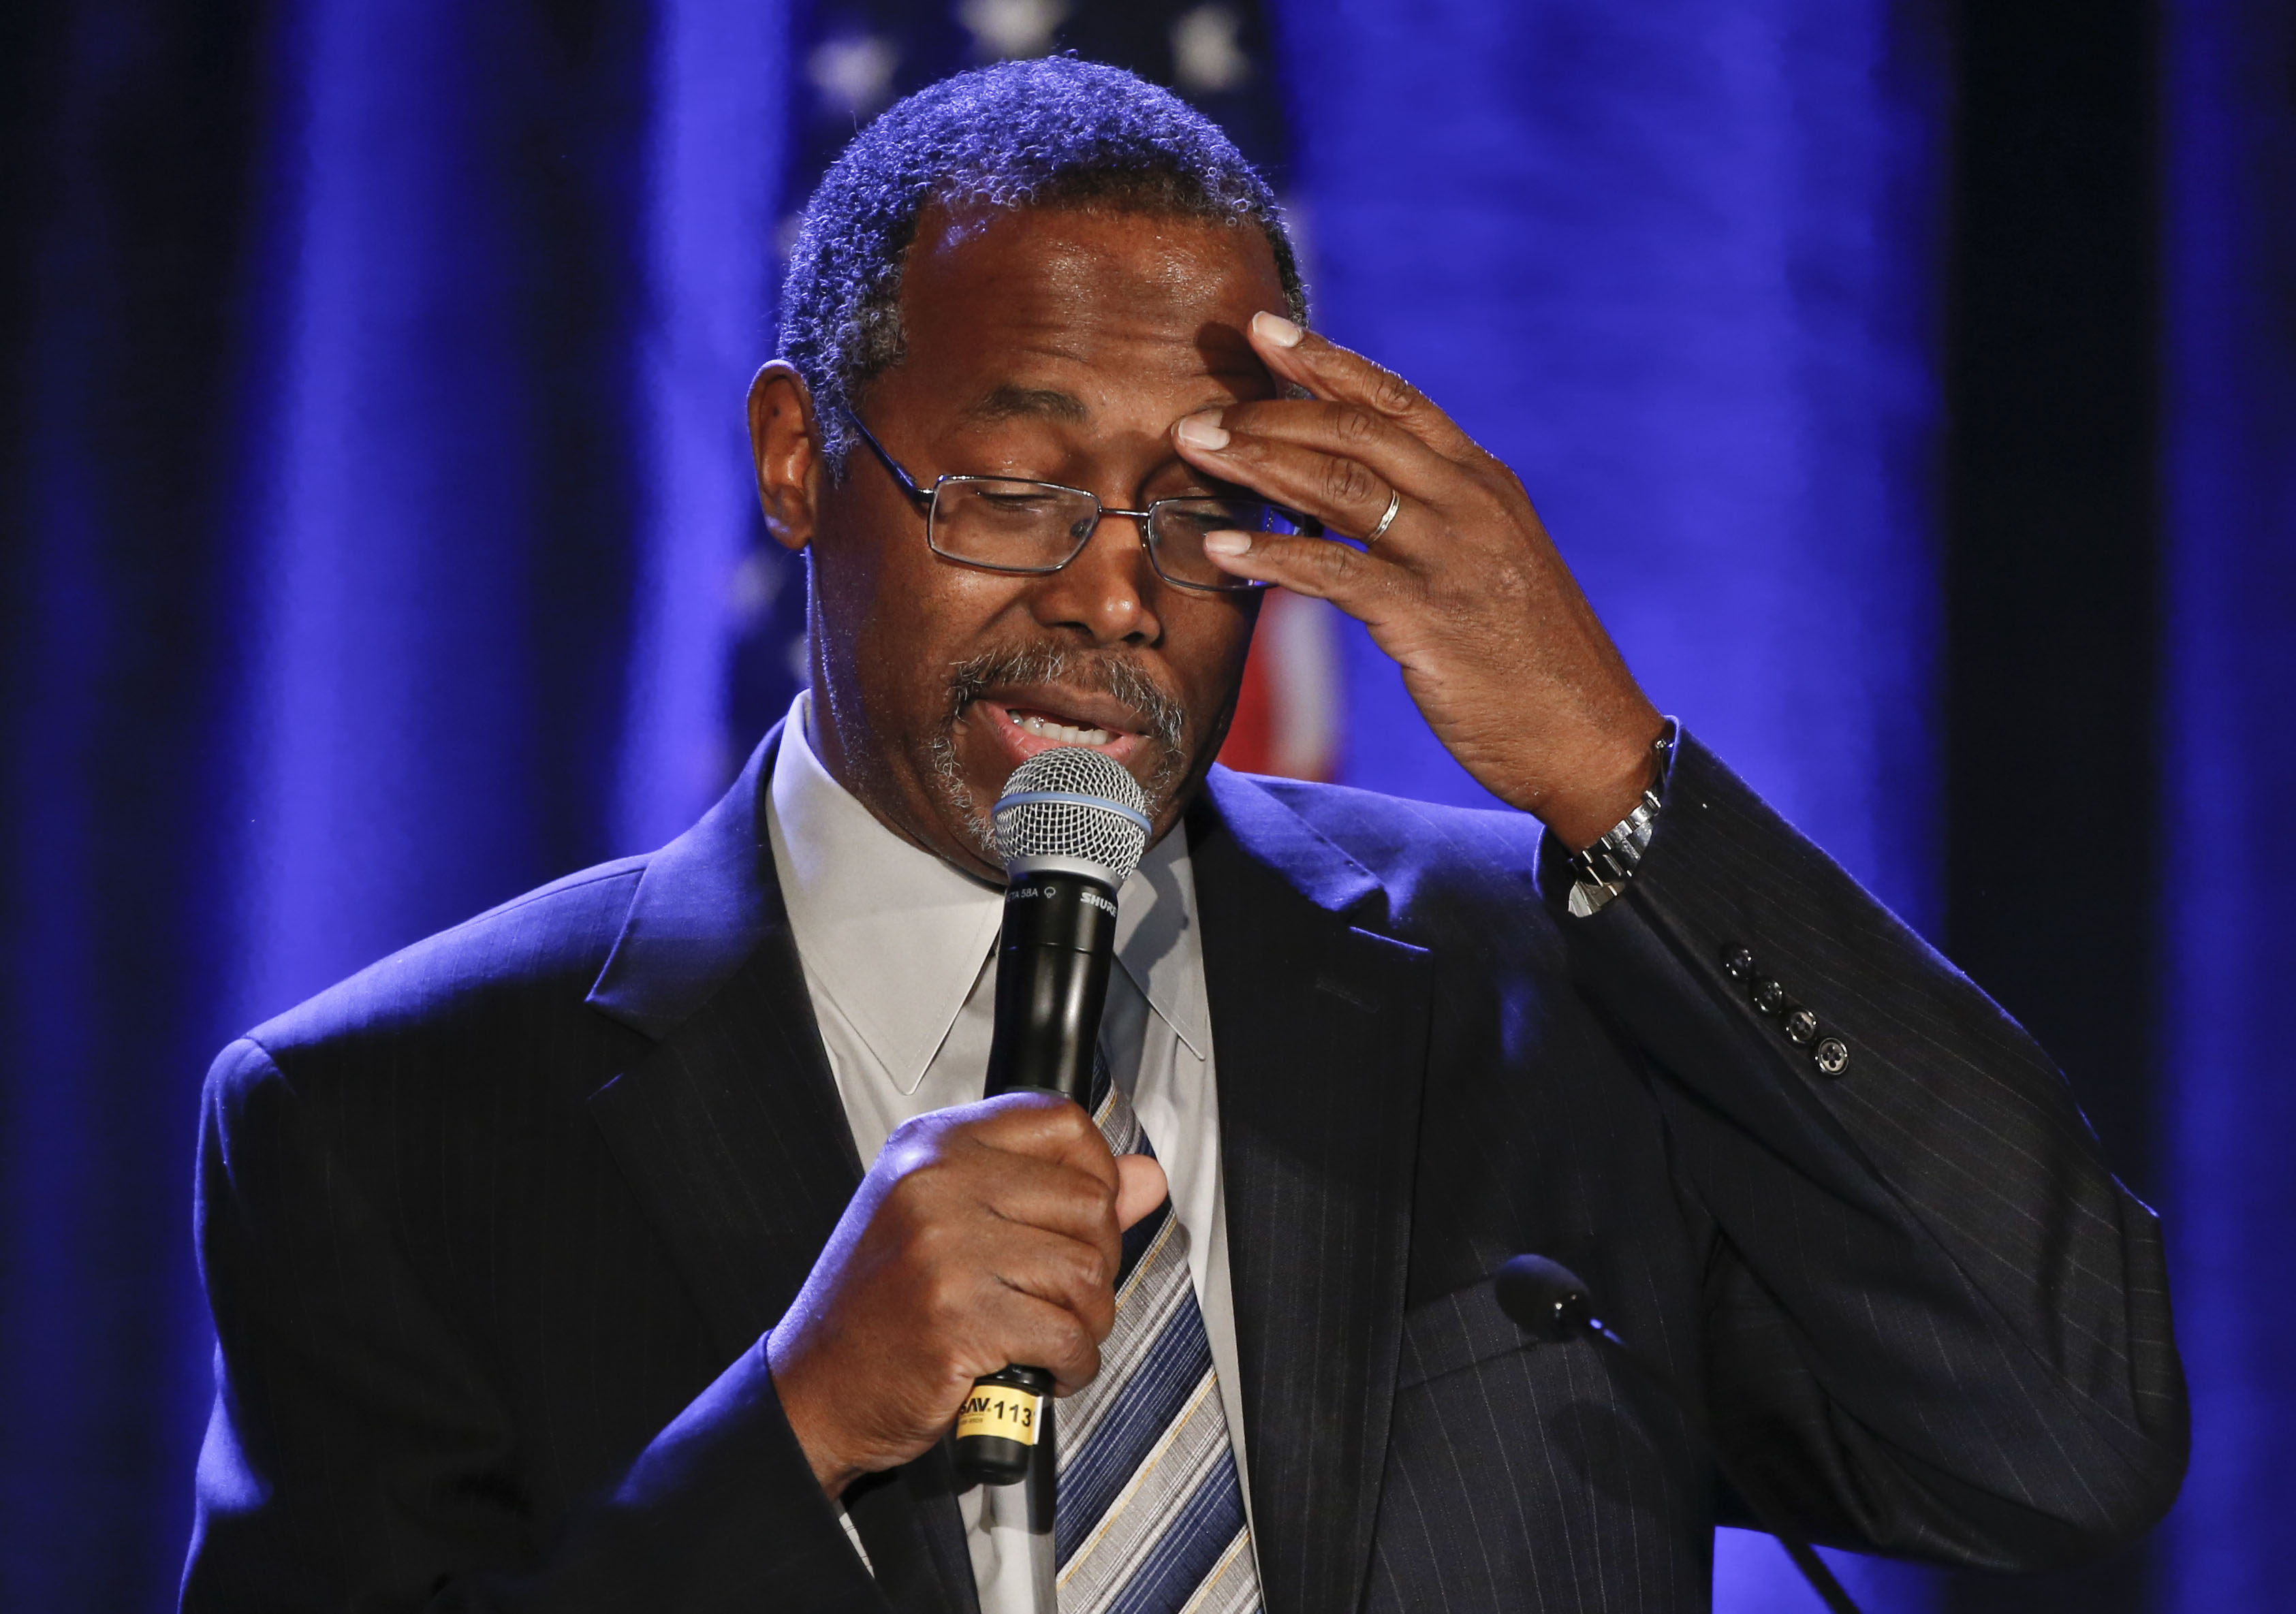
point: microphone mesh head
(1105, 835)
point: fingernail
(1227, 543)
(1203, 430)
(1278, 330)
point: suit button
(1800, 1026)
(1831, 1056)
(1737, 960)
(1770, 996)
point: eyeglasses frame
(923, 499)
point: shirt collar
(1156, 944)
(896, 937)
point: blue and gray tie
(1151, 1515)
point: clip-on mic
(1546, 1300)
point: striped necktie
(1151, 1515)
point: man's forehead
(1042, 307)
(1217, 364)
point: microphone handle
(1814, 1568)
(1051, 984)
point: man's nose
(1106, 591)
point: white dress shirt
(899, 956)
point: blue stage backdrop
(382, 541)
(2230, 587)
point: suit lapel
(734, 1134)
(1320, 1024)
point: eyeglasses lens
(1036, 527)
(1010, 526)
(1178, 528)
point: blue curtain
(2230, 475)
(129, 139)
(442, 494)
(523, 265)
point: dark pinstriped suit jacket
(491, 1233)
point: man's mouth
(1037, 723)
(1027, 723)
(1020, 703)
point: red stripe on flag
(1287, 716)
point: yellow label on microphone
(999, 1410)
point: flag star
(854, 73)
(1205, 56)
(1003, 29)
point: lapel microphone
(1071, 826)
(1545, 1299)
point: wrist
(1601, 870)
(805, 1412)
(1607, 787)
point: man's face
(1059, 346)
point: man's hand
(984, 1236)
(1464, 589)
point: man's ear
(785, 447)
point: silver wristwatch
(1604, 869)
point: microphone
(1071, 826)
(1545, 1299)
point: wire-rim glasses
(1012, 524)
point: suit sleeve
(356, 1457)
(1937, 1326)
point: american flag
(851, 60)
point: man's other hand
(1464, 588)
(984, 1236)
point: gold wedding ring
(1394, 504)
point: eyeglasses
(1006, 524)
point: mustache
(1162, 714)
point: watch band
(1604, 869)
(1614, 858)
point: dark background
(2053, 581)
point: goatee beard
(1163, 723)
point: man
(634, 1245)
